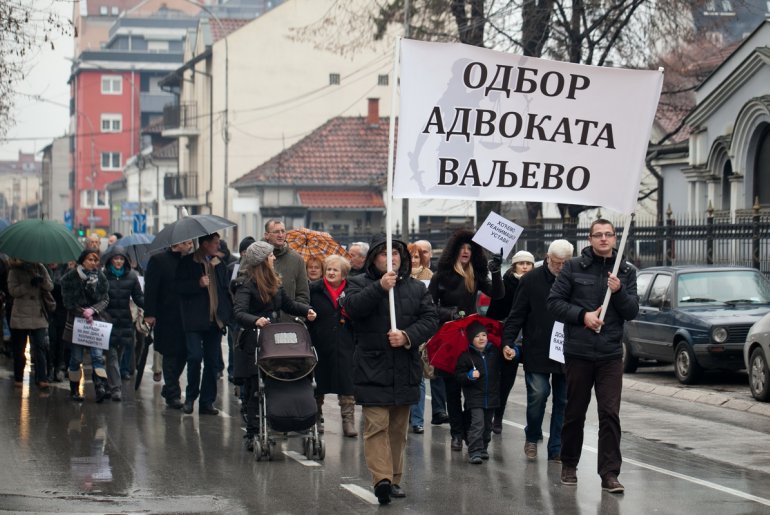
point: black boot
(100, 386)
(75, 391)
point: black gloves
(36, 280)
(496, 262)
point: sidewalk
(736, 401)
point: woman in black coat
(462, 272)
(259, 299)
(333, 341)
(124, 287)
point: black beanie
(85, 254)
(474, 329)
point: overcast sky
(37, 123)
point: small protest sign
(556, 352)
(498, 233)
(96, 334)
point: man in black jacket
(161, 311)
(202, 284)
(529, 314)
(387, 365)
(592, 348)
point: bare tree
(25, 27)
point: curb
(709, 398)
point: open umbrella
(40, 241)
(308, 243)
(451, 340)
(137, 246)
(188, 228)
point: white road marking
(671, 473)
(301, 459)
(361, 492)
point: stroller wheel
(307, 447)
(248, 443)
(257, 450)
(269, 451)
(321, 449)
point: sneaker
(475, 460)
(554, 458)
(530, 450)
(457, 444)
(382, 491)
(569, 475)
(418, 429)
(116, 395)
(484, 455)
(611, 484)
(157, 376)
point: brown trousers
(385, 429)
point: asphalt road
(680, 456)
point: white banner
(484, 125)
(96, 334)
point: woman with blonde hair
(333, 341)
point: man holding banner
(592, 348)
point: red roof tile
(228, 26)
(345, 151)
(356, 199)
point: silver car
(756, 352)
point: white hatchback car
(756, 352)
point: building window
(157, 46)
(112, 122)
(111, 161)
(115, 10)
(103, 10)
(334, 79)
(382, 79)
(86, 197)
(112, 85)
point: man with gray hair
(357, 251)
(529, 314)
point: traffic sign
(140, 223)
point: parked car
(756, 351)
(695, 317)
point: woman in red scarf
(333, 341)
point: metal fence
(710, 239)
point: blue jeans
(417, 411)
(76, 357)
(203, 346)
(538, 391)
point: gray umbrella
(189, 228)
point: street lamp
(226, 135)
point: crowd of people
(190, 295)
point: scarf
(335, 293)
(117, 272)
(518, 276)
(90, 277)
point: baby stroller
(286, 359)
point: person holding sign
(529, 316)
(592, 349)
(463, 271)
(84, 295)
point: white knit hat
(256, 253)
(523, 256)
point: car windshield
(723, 287)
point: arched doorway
(761, 177)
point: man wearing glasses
(592, 348)
(289, 265)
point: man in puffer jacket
(592, 348)
(387, 371)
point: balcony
(180, 120)
(180, 186)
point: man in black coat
(161, 311)
(592, 348)
(202, 284)
(529, 314)
(387, 363)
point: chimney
(373, 115)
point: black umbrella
(142, 359)
(189, 228)
(137, 246)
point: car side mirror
(659, 302)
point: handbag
(428, 371)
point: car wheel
(687, 370)
(630, 362)
(759, 376)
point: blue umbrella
(137, 245)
